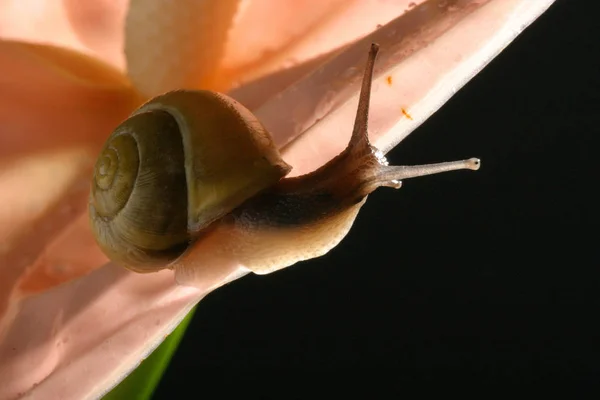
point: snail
(196, 170)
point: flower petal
(90, 333)
(173, 45)
(308, 30)
(218, 44)
(426, 56)
(94, 27)
(96, 355)
(54, 114)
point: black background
(490, 276)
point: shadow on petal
(88, 332)
(56, 109)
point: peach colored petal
(262, 36)
(56, 109)
(77, 322)
(94, 27)
(72, 253)
(267, 34)
(173, 45)
(138, 310)
(300, 34)
(427, 54)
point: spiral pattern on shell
(138, 201)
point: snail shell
(180, 162)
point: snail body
(194, 175)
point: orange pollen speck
(389, 80)
(406, 114)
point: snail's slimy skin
(235, 242)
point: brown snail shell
(180, 162)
